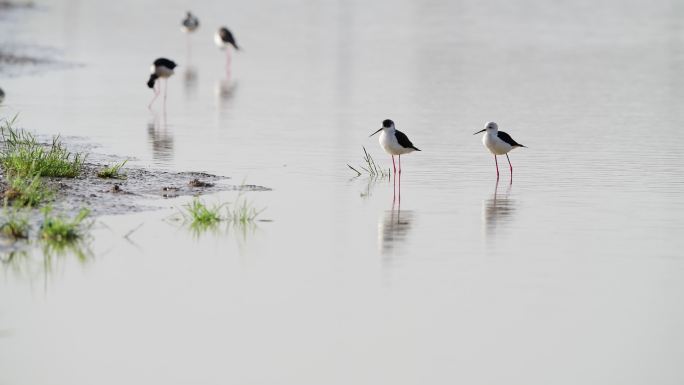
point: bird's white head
(387, 124)
(490, 127)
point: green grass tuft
(14, 225)
(112, 171)
(26, 191)
(202, 216)
(58, 228)
(200, 213)
(22, 155)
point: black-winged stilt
(190, 23)
(161, 68)
(224, 40)
(498, 143)
(394, 142)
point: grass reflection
(42, 259)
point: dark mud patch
(28, 60)
(16, 59)
(199, 183)
(9, 5)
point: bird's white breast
(495, 145)
(162, 72)
(388, 141)
(219, 42)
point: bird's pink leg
(166, 86)
(229, 60)
(188, 48)
(394, 192)
(497, 167)
(399, 180)
(394, 166)
(511, 167)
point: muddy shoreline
(135, 191)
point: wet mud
(136, 190)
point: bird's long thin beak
(480, 131)
(375, 132)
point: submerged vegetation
(58, 237)
(112, 171)
(371, 168)
(48, 257)
(243, 212)
(15, 224)
(59, 228)
(201, 216)
(23, 155)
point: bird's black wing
(163, 62)
(507, 138)
(404, 140)
(227, 37)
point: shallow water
(571, 274)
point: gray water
(572, 274)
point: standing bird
(224, 39)
(161, 68)
(394, 142)
(498, 143)
(190, 23)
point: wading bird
(394, 142)
(190, 23)
(224, 39)
(161, 68)
(498, 143)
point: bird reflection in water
(160, 138)
(393, 229)
(190, 81)
(225, 90)
(498, 210)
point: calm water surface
(572, 274)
